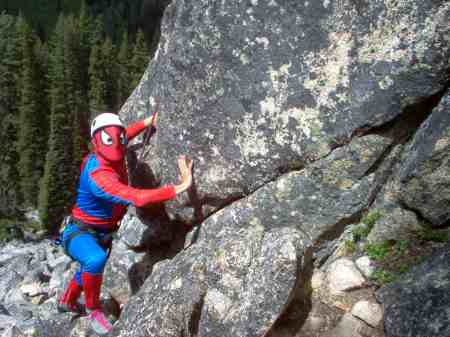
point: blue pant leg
(78, 277)
(91, 256)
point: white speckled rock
(365, 265)
(32, 289)
(369, 312)
(343, 276)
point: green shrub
(381, 277)
(350, 246)
(369, 221)
(360, 233)
(13, 229)
(32, 226)
(403, 268)
(371, 218)
(428, 234)
(378, 251)
(9, 230)
(401, 247)
(420, 259)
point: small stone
(343, 276)
(369, 312)
(62, 261)
(32, 289)
(365, 265)
(39, 299)
(350, 326)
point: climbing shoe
(99, 323)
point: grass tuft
(378, 251)
(382, 277)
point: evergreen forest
(59, 67)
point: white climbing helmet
(105, 119)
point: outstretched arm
(136, 128)
(105, 184)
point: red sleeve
(106, 185)
(135, 129)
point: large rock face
(284, 107)
(252, 89)
(248, 266)
(418, 304)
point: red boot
(69, 300)
(91, 286)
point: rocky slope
(321, 135)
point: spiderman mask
(110, 143)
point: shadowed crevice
(194, 321)
(404, 126)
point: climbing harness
(104, 239)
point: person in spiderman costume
(102, 199)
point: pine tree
(103, 76)
(110, 74)
(58, 181)
(10, 194)
(9, 69)
(97, 85)
(124, 79)
(82, 116)
(9, 65)
(85, 28)
(75, 98)
(97, 34)
(31, 143)
(41, 54)
(140, 59)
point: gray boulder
(425, 175)
(394, 224)
(417, 305)
(6, 321)
(252, 90)
(57, 326)
(141, 242)
(146, 228)
(10, 278)
(235, 282)
(245, 271)
(131, 230)
(122, 277)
